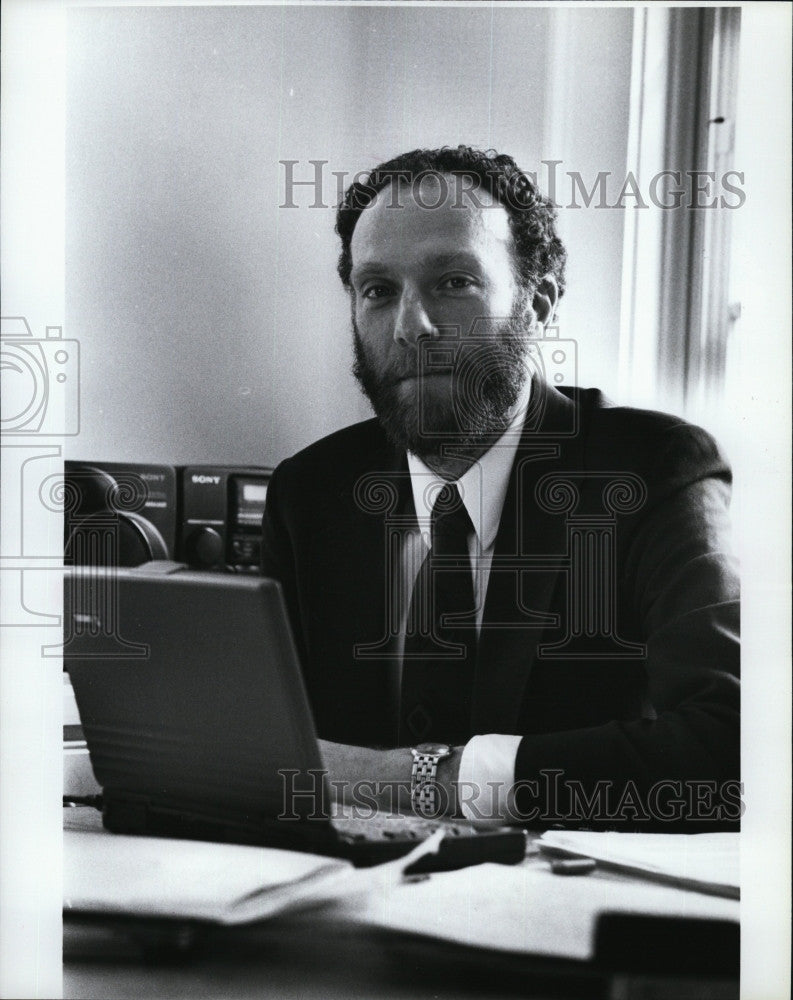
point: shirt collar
(483, 487)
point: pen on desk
(573, 866)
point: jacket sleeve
(681, 762)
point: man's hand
(357, 775)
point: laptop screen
(189, 688)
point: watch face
(434, 748)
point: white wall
(212, 325)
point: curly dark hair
(532, 217)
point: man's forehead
(439, 211)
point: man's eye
(457, 282)
(376, 291)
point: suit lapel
(358, 539)
(354, 670)
(527, 562)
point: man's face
(440, 323)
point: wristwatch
(423, 787)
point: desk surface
(315, 956)
(487, 931)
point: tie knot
(447, 501)
(449, 515)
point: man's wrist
(447, 779)
(395, 773)
(386, 776)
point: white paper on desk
(196, 880)
(157, 877)
(706, 862)
(526, 908)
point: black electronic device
(198, 724)
(119, 514)
(222, 508)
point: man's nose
(412, 320)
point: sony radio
(222, 509)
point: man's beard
(459, 407)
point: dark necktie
(440, 636)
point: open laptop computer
(198, 724)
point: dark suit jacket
(610, 631)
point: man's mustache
(414, 373)
(414, 367)
(465, 359)
(481, 357)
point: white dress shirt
(487, 767)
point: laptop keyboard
(393, 826)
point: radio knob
(205, 548)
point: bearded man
(511, 600)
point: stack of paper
(227, 883)
(526, 908)
(197, 880)
(707, 862)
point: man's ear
(546, 295)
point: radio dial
(205, 547)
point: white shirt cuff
(487, 774)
